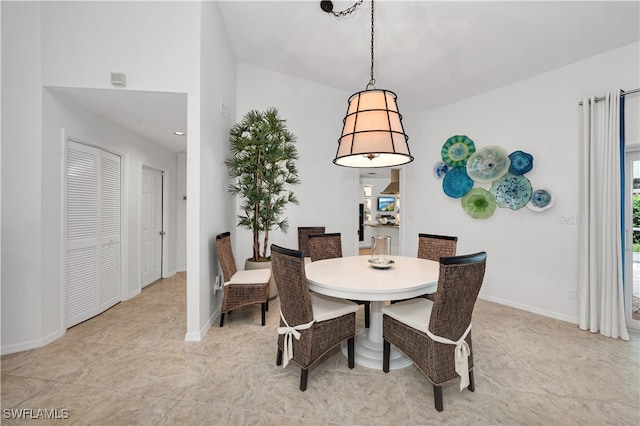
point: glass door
(632, 237)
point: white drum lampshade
(372, 135)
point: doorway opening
(379, 207)
(151, 225)
(632, 237)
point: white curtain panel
(600, 288)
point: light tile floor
(131, 366)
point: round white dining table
(355, 278)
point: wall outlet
(571, 293)
(567, 219)
(218, 284)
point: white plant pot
(273, 289)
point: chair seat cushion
(326, 308)
(414, 312)
(251, 276)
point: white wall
(632, 122)
(532, 260)
(218, 84)
(22, 271)
(135, 152)
(0, 168)
(328, 194)
(158, 45)
(182, 47)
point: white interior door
(151, 232)
(93, 266)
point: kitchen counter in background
(391, 230)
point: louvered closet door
(109, 230)
(93, 232)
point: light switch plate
(567, 219)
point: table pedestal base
(369, 354)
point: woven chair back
(433, 247)
(324, 246)
(225, 255)
(459, 283)
(303, 236)
(288, 271)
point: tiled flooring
(131, 365)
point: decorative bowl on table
(380, 263)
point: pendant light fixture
(372, 133)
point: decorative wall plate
(488, 164)
(513, 191)
(456, 150)
(456, 182)
(440, 169)
(521, 162)
(478, 203)
(541, 199)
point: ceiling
(152, 115)
(430, 53)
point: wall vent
(118, 79)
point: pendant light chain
(372, 131)
(327, 6)
(345, 12)
(372, 82)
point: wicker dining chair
(240, 288)
(329, 246)
(323, 322)
(418, 326)
(303, 236)
(324, 246)
(433, 247)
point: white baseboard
(197, 336)
(192, 336)
(133, 294)
(532, 309)
(170, 274)
(32, 344)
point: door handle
(162, 233)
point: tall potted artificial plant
(262, 161)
